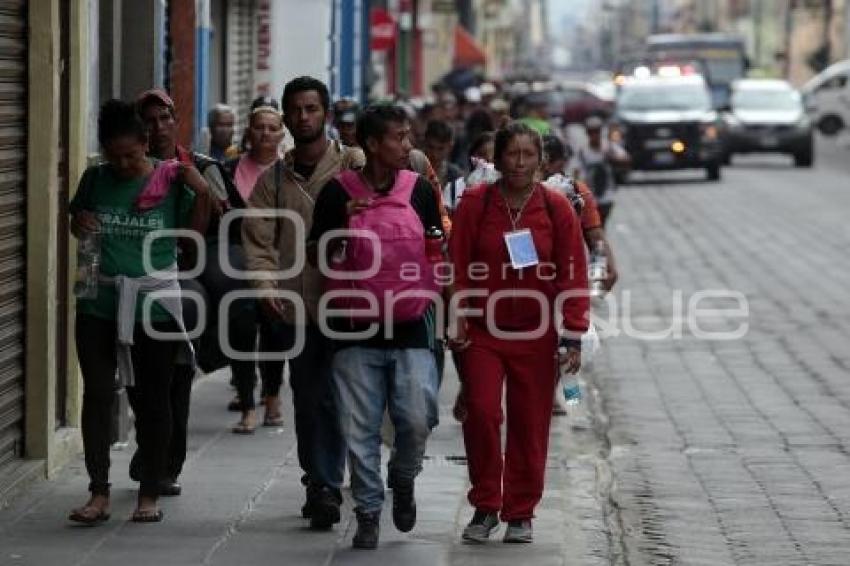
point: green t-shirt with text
(123, 231)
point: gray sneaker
(479, 528)
(519, 532)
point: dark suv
(669, 123)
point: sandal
(244, 428)
(273, 420)
(273, 416)
(247, 424)
(146, 516)
(89, 515)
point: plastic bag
(567, 187)
(483, 172)
(590, 344)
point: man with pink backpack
(379, 303)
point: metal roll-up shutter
(13, 163)
(241, 47)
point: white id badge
(521, 249)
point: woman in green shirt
(107, 202)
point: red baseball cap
(156, 96)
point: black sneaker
(312, 494)
(479, 528)
(324, 511)
(404, 506)
(368, 529)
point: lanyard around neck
(515, 218)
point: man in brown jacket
(276, 244)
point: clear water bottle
(570, 385)
(598, 269)
(88, 266)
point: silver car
(767, 115)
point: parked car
(767, 115)
(578, 101)
(669, 123)
(827, 98)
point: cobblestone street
(732, 452)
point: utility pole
(758, 15)
(655, 16)
(846, 29)
(789, 42)
(827, 22)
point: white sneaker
(519, 532)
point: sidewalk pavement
(242, 497)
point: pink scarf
(158, 184)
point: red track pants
(514, 485)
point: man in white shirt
(596, 164)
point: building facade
(45, 93)
(60, 60)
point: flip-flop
(146, 516)
(80, 516)
(243, 429)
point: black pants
(244, 326)
(181, 385)
(321, 446)
(153, 364)
(180, 391)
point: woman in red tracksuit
(530, 241)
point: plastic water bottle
(88, 266)
(570, 385)
(434, 244)
(598, 269)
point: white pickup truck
(827, 98)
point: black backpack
(598, 176)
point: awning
(467, 51)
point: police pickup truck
(667, 122)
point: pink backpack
(402, 252)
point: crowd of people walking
(319, 243)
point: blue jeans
(369, 381)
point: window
(839, 81)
